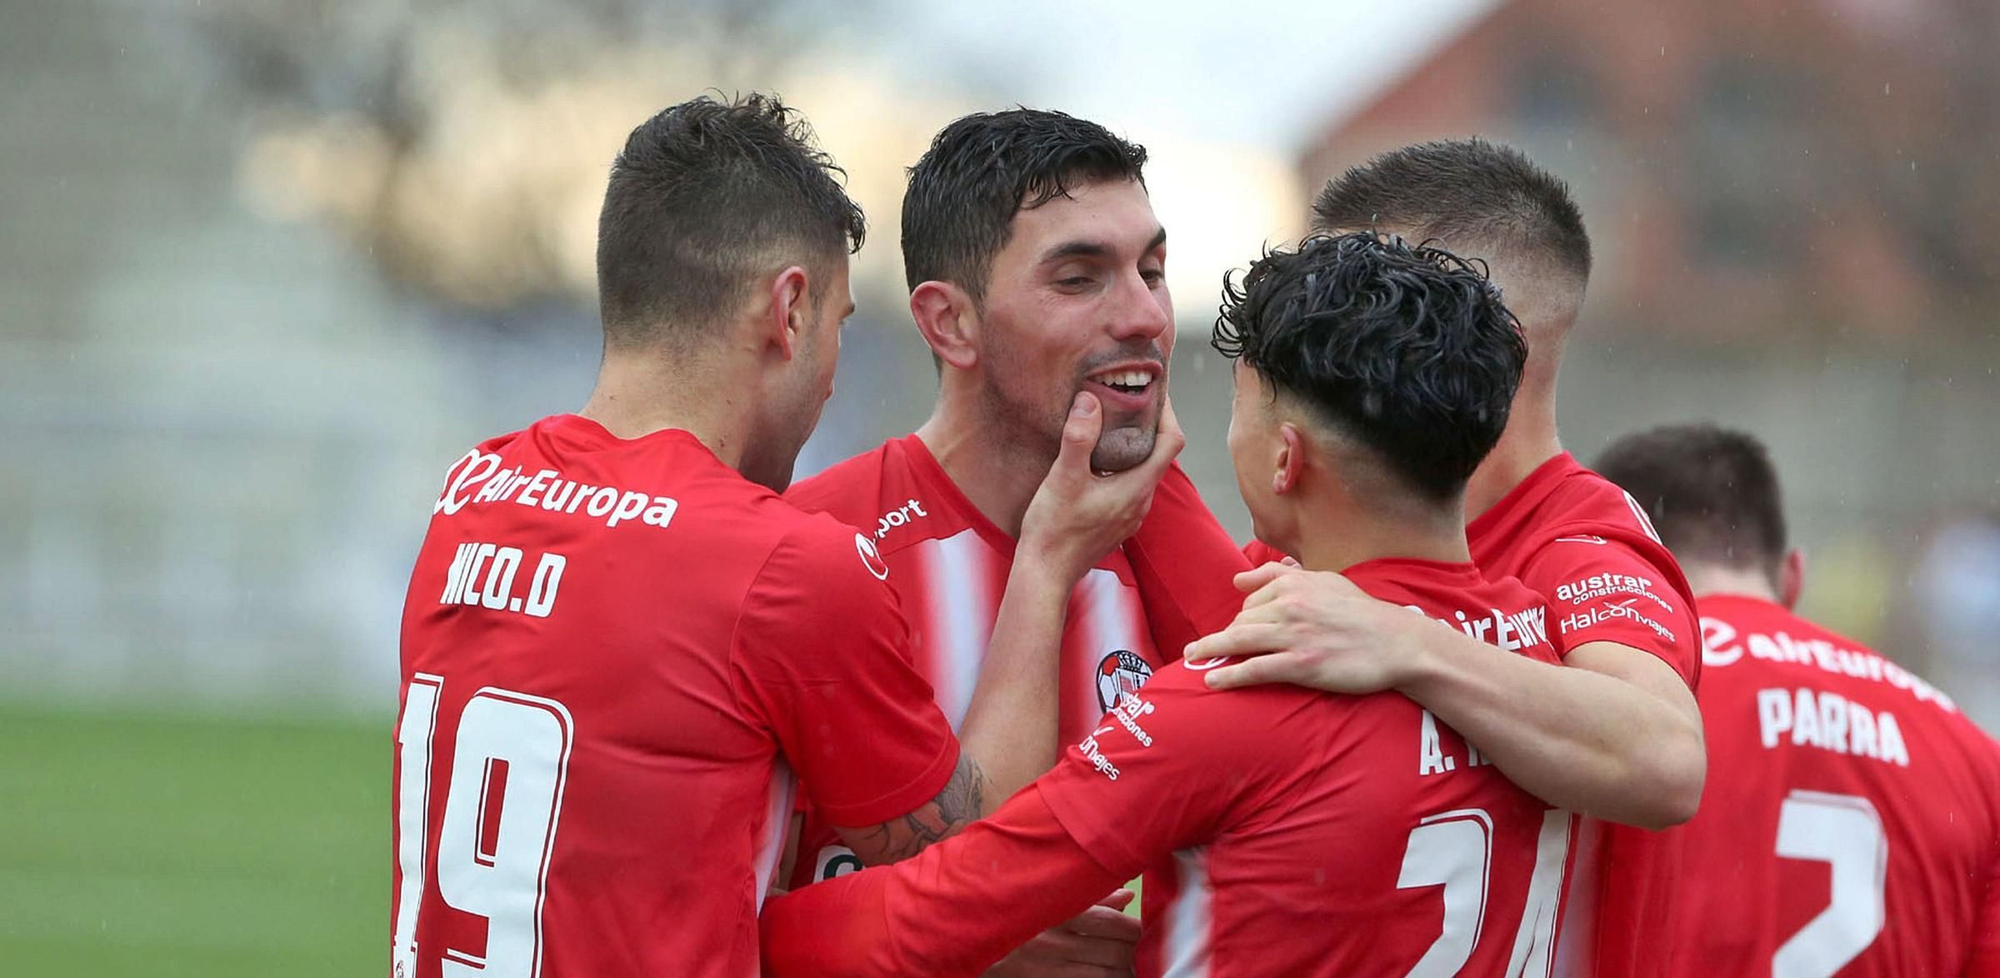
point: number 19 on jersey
(502, 804)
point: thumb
(1118, 900)
(1080, 431)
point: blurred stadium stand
(222, 430)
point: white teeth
(1125, 378)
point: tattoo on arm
(955, 807)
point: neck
(1529, 441)
(1706, 579)
(634, 398)
(1341, 536)
(994, 469)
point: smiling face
(1077, 301)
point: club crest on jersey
(1120, 673)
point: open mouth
(1127, 380)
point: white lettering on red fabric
(900, 516)
(1723, 645)
(1830, 722)
(546, 490)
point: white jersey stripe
(777, 828)
(1189, 918)
(961, 614)
(1576, 939)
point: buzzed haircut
(705, 196)
(1712, 493)
(1405, 349)
(983, 168)
(1468, 193)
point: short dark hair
(1466, 192)
(1407, 349)
(1712, 493)
(702, 194)
(983, 168)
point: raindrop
(1885, 88)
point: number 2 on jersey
(1455, 849)
(1845, 832)
(501, 805)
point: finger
(1118, 899)
(1290, 561)
(1076, 949)
(1240, 638)
(1170, 432)
(1105, 923)
(1079, 434)
(1278, 667)
(1256, 577)
(1270, 590)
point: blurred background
(268, 266)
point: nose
(1143, 313)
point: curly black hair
(1407, 349)
(702, 193)
(983, 168)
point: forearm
(1576, 738)
(944, 912)
(1010, 726)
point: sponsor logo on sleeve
(900, 516)
(1601, 586)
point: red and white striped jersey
(948, 563)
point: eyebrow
(1093, 249)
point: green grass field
(141, 845)
(134, 845)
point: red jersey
(1853, 812)
(613, 652)
(950, 566)
(1588, 549)
(1291, 832)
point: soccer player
(1852, 818)
(1036, 272)
(1315, 834)
(619, 642)
(1617, 734)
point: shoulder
(816, 553)
(1583, 504)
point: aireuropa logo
(870, 557)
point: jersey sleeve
(1171, 767)
(1185, 564)
(953, 909)
(822, 659)
(1601, 589)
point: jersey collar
(1523, 498)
